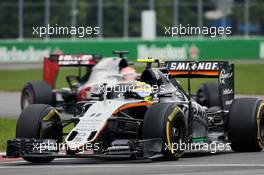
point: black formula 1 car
(143, 123)
(80, 87)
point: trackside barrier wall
(170, 48)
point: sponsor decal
(224, 76)
(196, 109)
(195, 66)
(74, 59)
(229, 102)
(30, 54)
(169, 52)
(227, 91)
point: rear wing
(207, 69)
(73, 60)
(190, 69)
(52, 64)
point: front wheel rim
(27, 100)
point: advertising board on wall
(173, 49)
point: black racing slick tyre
(39, 121)
(36, 92)
(166, 121)
(208, 94)
(245, 125)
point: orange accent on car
(103, 125)
(207, 73)
(131, 105)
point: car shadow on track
(204, 154)
(105, 161)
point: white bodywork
(95, 119)
(106, 71)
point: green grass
(249, 78)
(14, 80)
(7, 131)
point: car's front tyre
(39, 121)
(166, 121)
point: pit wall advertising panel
(172, 49)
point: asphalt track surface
(191, 163)
(10, 105)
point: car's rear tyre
(166, 121)
(36, 92)
(208, 94)
(39, 121)
(246, 125)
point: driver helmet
(142, 90)
(128, 74)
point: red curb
(4, 159)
